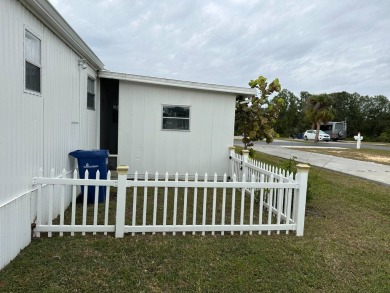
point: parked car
(311, 134)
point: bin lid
(90, 154)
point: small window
(32, 55)
(176, 118)
(91, 94)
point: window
(176, 118)
(91, 94)
(32, 55)
(339, 126)
(326, 127)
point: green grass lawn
(345, 248)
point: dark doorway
(109, 106)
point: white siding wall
(15, 228)
(144, 146)
(37, 130)
(89, 119)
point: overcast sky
(316, 46)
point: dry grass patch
(369, 155)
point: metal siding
(89, 118)
(145, 147)
(15, 229)
(20, 113)
(36, 130)
(68, 124)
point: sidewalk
(368, 170)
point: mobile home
(56, 98)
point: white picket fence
(270, 201)
(242, 164)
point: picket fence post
(302, 177)
(121, 201)
(245, 154)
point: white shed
(163, 125)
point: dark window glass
(91, 101)
(176, 118)
(33, 77)
(179, 124)
(326, 127)
(176, 111)
(91, 94)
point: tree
(289, 120)
(377, 115)
(319, 110)
(256, 116)
(346, 107)
(365, 114)
(304, 97)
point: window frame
(91, 93)
(180, 118)
(25, 60)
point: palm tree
(319, 110)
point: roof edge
(46, 13)
(177, 83)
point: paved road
(369, 170)
(340, 144)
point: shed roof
(178, 83)
(52, 19)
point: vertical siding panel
(217, 128)
(149, 136)
(126, 121)
(6, 88)
(160, 150)
(205, 122)
(138, 129)
(196, 124)
(14, 216)
(184, 98)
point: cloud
(315, 46)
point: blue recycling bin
(92, 160)
(300, 136)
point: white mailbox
(358, 139)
